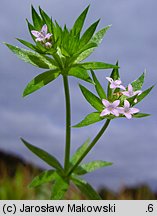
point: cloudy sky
(40, 118)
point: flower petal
(109, 79)
(116, 103)
(104, 112)
(39, 39)
(117, 82)
(128, 115)
(126, 104)
(36, 33)
(122, 87)
(106, 103)
(134, 110)
(130, 89)
(126, 93)
(138, 92)
(44, 30)
(120, 110)
(115, 112)
(113, 86)
(48, 36)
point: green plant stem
(91, 145)
(68, 123)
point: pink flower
(127, 110)
(131, 92)
(48, 44)
(115, 83)
(110, 108)
(42, 36)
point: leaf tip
(6, 44)
(25, 93)
(22, 139)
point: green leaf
(33, 58)
(30, 28)
(98, 86)
(91, 98)
(143, 94)
(80, 73)
(57, 30)
(86, 188)
(97, 38)
(141, 115)
(27, 44)
(59, 188)
(137, 84)
(131, 99)
(91, 166)
(89, 119)
(72, 47)
(88, 34)
(114, 76)
(77, 27)
(40, 81)
(97, 65)
(44, 177)
(57, 59)
(49, 159)
(37, 21)
(47, 19)
(86, 47)
(79, 152)
(115, 72)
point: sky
(40, 118)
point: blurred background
(40, 118)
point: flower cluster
(113, 107)
(43, 37)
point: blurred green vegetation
(15, 175)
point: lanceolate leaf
(97, 65)
(86, 188)
(86, 47)
(59, 188)
(80, 73)
(30, 28)
(37, 21)
(91, 98)
(140, 115)
(79, 152)
(33, 58)
(46, 19)
(57, 30)
(88, 34)
(137, 84)
(27, 44)
(98, 86)
(89, 119)
(49, 159)
(40, 81)
(143, 94)
(115, 72)
(44, 177)
(91, 166)
(79, 22)
(97, 38)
